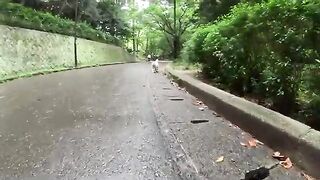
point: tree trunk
(175, 38)
(147, 46)
(176, 46)
(75, 34)
(137, 43)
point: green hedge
(13, 14)
(265, 49)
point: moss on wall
(24, 51)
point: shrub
(261, 48)
(17, 15)
(193, 50)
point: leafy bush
(17, 15)
(309, 95)
(193, 48)
(261, 49)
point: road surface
(118, 122)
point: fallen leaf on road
(199, 102)
(243, 144)
(183, 89)
(259, 142)
(236, 127)
(307, 176)
(220, 159)
(252, 142)
(277, 155)
(286, 164)
(195, 103)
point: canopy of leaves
(17, 15)
(210, 10)
(104, 15)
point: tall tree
(161, 16)
(111, 19)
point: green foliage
(104, 15)
(309, 94)
(210, 10)
(110, 19)
(262, 49)
(160, 17)
(17, 15)
(193, 50)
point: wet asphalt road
(117, 122)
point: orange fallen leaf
(220, 159)
(277, 155)
(286, 164)
(307, 176)
(252, 142)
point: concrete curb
(298, 141)
(42, 72)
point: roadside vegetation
(269, 51)
(265, 50)
(96, 21)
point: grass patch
(186, 66)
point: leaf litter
(252, 142)
(220, 159)
(284, 161)
(307, 177)
(200, 104)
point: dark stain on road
(198, 121)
